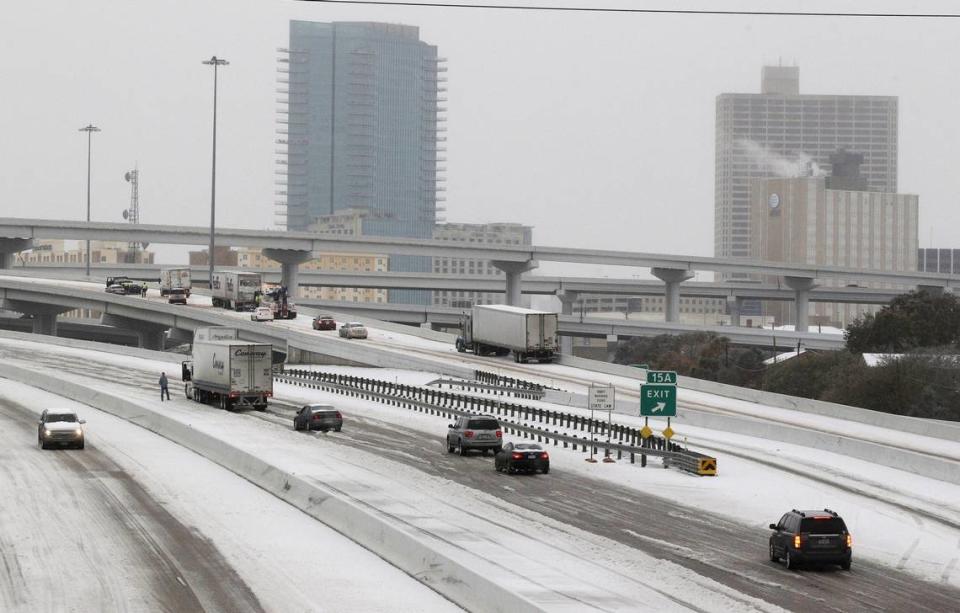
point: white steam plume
(799, 165)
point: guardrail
(621, 439)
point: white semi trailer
(235, 290)
(228, 372)
(500, 329)
(175, 278)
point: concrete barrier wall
(915, 425)
(445, 569)
(93, 345)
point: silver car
(353, 329)
(318, 417)
(481, 432)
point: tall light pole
(90, 129)
(216, 63)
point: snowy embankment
(425, 525)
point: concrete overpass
(292, 248)
(530, 284)
(595, 327)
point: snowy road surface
(137, 523)
(77, 533)
(728, 551)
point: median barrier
(123, 350)
(443, 567)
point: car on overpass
(324, 322)
(522, 457)
(819, 537)
(177, 295)
(353, 329)
(60, 428)
(262, 313)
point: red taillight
(468, 433)
(544, 456)
(339, 416)
(499, 434)
(317, 416)
(796, 541)
(517, 456)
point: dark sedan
(324, 322)
(318, 417)
(522, 457)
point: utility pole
(89, 129)
(216, 63)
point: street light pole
(216, 63)
(89, 129)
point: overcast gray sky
(596, 129)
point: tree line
(917, 373)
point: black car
(522, 457)
(811, 536)
(318, 417)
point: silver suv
(475, 432)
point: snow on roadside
(289, 560)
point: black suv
(811, 536)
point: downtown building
(780, 132)
(833, 221)
(945, 261)
(360, 128)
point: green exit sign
(663, 377)
(658, 400)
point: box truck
(175, 278)
(235, 290)
(500, 329)
(228, 372)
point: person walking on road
(143, 291)
(163, 386)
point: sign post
(600, 398)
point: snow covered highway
(618, 525)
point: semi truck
(235, 290)
(228, 372)
(175, 278)
(500, 329)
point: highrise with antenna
(132, 214)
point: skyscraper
(783, 133)
(360, 128)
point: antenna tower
(132, 214)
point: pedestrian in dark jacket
(143, 290)
(163, 386)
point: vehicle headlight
(46, 432)
(78, 432)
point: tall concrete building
(486, 233)
(360, 127)
(783, 133)
(821, 221)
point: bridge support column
(514, 272)
(567, 300)
(672, 277)
(43, 316)
(179, 336)
(290, 260)
(801, 287)
(613, 342)
(9, 247)
(149, 336)
(735, 308)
